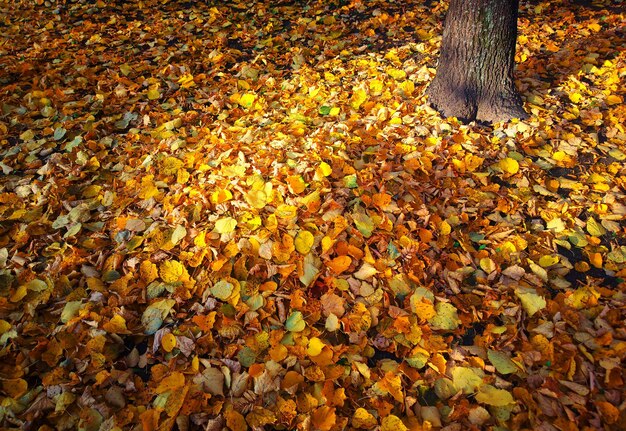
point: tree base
(467, 107)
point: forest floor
(245, 215)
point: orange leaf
(205, 322)
(381, 200)
(174, 381)
(339, 264)
(390, 384)
(595, 259)
(235, 420)
(324, 418)
(296, 184)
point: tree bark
(474, 79)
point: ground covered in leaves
(245, 215)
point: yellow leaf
(225, 225)
(148, 189)
(407, 88)
(256, 198)
(422, 309)
(304, 241)
(282, 250)
(467, 379)
(171, 271)
(392, 423)
(397, 74)
(487, 265)
(315, 347)
(594, 26)
(154, 94)
(200, 240)
(575, 97)
(582, 297)
(473, 162)
(332, 323)
(447, 317)
(117, 325)
(19, 294)
(365, 272)
(186, 81)
(548, 260)
(223, 289)
(509, 165)
(168, 342)
(4, 326)
(376, 87)
(325, 169)
(531, 301)
(445, 228)
(247, 100)
(125, 69)
(614, 99)
(339, 264)
(286, 211)
(358, 97)
(220, 196)
(487, 394)
(363, 419)
(171, 165)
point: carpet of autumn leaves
(245, 215)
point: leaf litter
(246, 215)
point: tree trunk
(474, 79)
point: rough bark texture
(474, 79)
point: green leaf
(179, 233)
(155, 313)
(418, 359)
(467, 379)
(446, 317)
(350, 181)
(246, 356)
(70, 310)
(222, 290)
(502, 362)
(444, 388)
(59, 133)
(363, 223)
(594, 228)
(295, 322)
(37, 285)
(324, 110)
